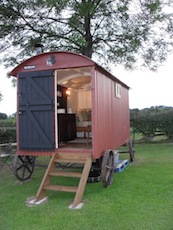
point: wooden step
(61, 188)
(68, 160)
(71, 157)
(66, 157)
(66, 174)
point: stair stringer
(86, 159)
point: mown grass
(140, 198)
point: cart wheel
(23, 166)
(131, 151)
(107, 168)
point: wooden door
(36, 110)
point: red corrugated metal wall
(111, 122)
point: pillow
(84, 115)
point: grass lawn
(141, 198)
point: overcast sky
(147, 88)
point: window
(117, 90)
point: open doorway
(74, 107)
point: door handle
(20, 96)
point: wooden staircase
(63, 157)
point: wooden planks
(85, 159)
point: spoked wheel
(107, 168)
(23, 166)
(131, 151)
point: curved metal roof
(55, 60)
(51, 61)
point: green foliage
(153, 6)
(3, 116)
(8, 130)
(153, 121)
(120, 32)
(166, 123)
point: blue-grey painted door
(36, 110)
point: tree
(3, 116)
(1, 96)
(154, 121)
(111, 31)
(7, 128)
